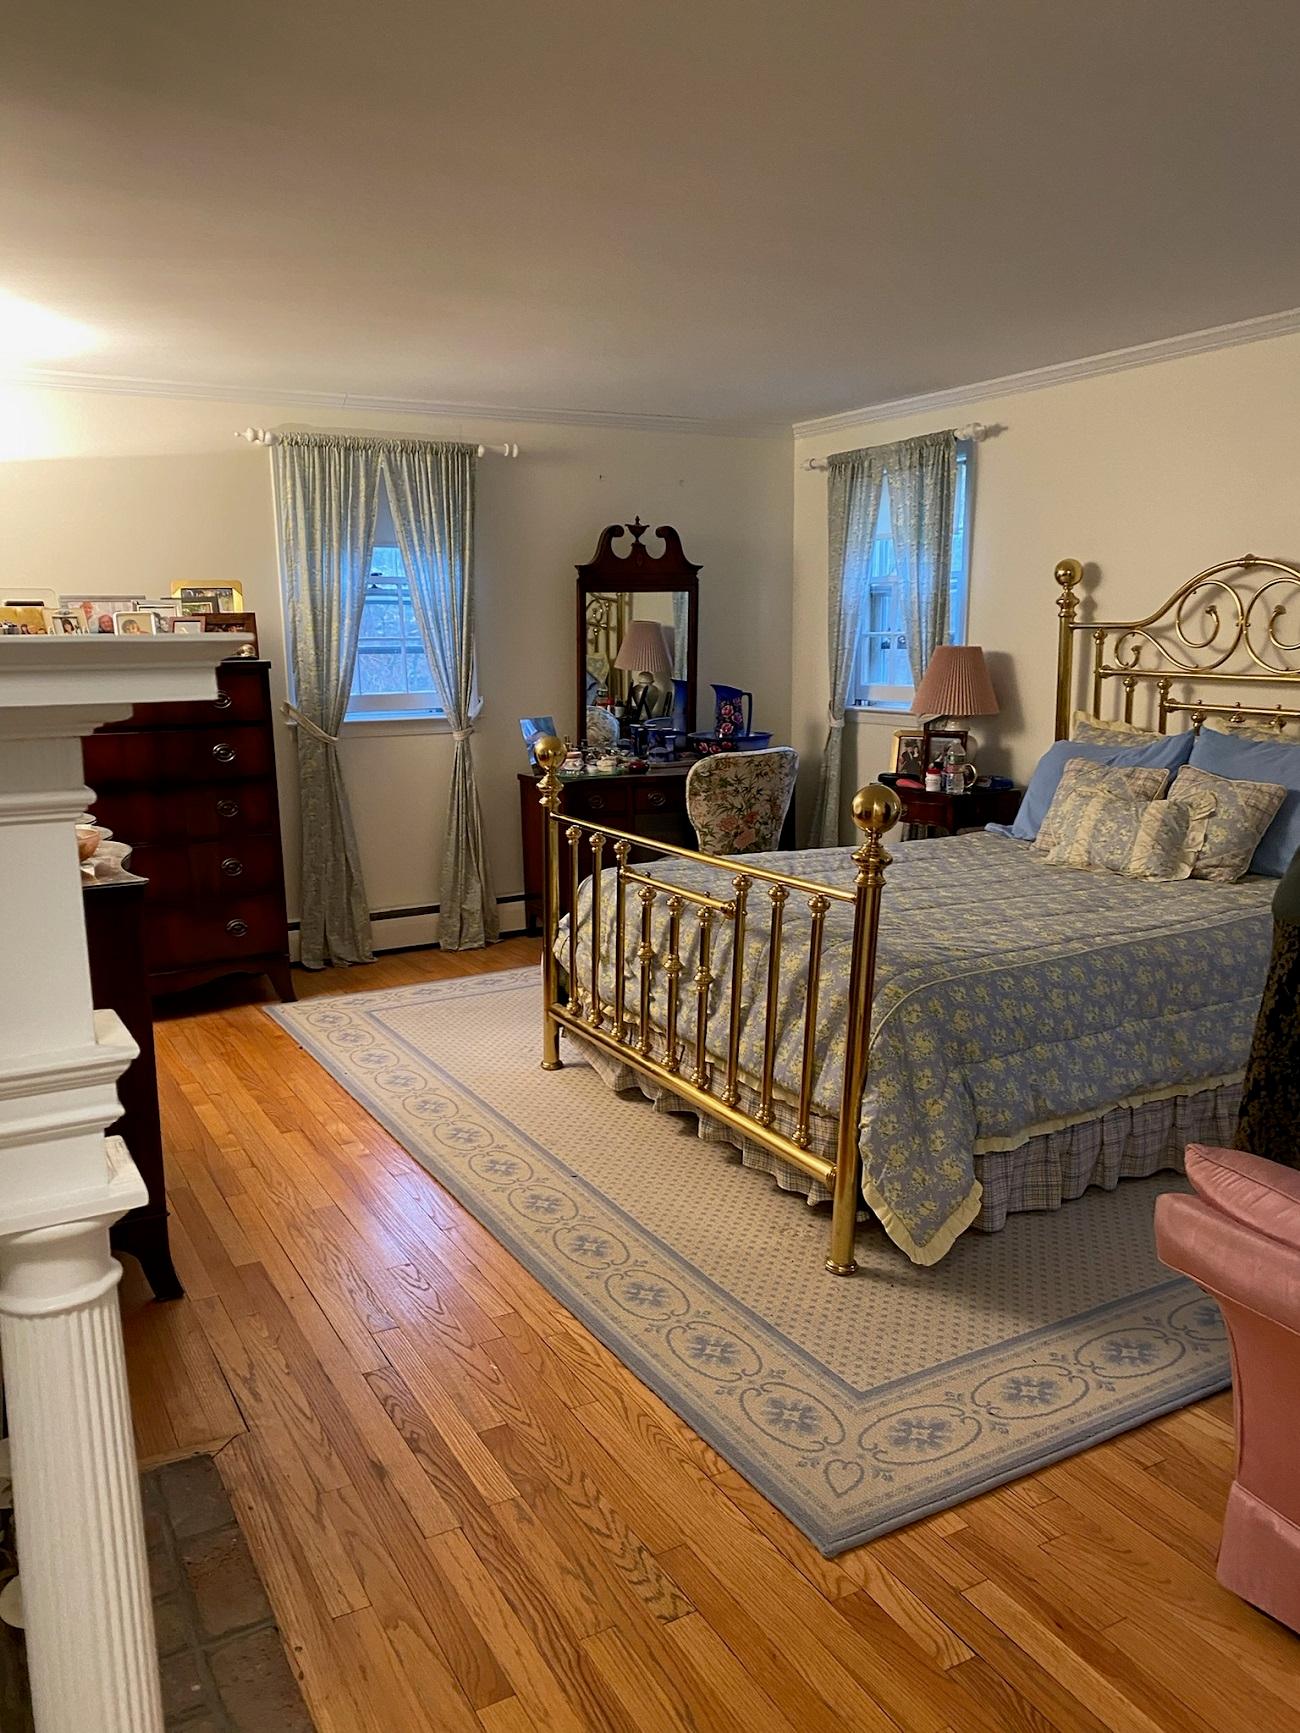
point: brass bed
(1221, 628)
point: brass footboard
(620, 1021)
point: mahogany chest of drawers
(192, 788)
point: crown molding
(60, 379)
(1283, 324)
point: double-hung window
(882, 676)
(392, 675)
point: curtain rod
(975, 430)
(264, 436)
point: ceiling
(742, 211)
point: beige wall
(126, 493)
(1147, 476)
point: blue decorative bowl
(706, 744)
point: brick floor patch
(224, 1668)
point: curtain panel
(431, 496)
(922, 477)
(853, 486)
(922, 497)
(327, 496)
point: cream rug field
(855, 1405)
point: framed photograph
(208, 598)
(166, 608)
(98, 612)
(136, 623)
(68, 625)
(24, 620)
(239, 622)
(909, 748)
(532, 728)
(187, 626)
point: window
(392, 672)
(883, 676)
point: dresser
(192, 788)
(652, 805)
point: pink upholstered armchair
(1239, 1237)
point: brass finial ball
(1068, 573)
(549, 751)
(876, 808)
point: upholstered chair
(737, 801)
(1239, 1237)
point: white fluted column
(81, 1546)
(87, 1613)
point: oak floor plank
(470, 1515)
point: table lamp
(644, 650)
(956, 684)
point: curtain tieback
(308, 727)
(459, 734)
(834, 721)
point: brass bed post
(876, 810)
(550, 755)
(1068, 573)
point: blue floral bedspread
(1011, 997)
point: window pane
(387, 561)
(378, 671)
(418, 677)
(381, 619)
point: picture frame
(532, 728)
(909, 748)
(208, 598)
(24, 620)
(187, 626)
(67, 624)
(136, 623)
(98, 612)
(234, 622)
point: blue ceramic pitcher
(733, 714)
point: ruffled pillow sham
(1242, 813)
(1138, 839)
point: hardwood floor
(471, 1517)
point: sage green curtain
(327, 492)
(853, 503)
(431, 496)
(922, 496)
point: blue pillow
(1259, 761)
(1170, 753)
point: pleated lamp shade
(956, 684)
(645, 649)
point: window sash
(882, 673)
(388, 585)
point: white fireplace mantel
(89, 1622)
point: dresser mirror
(637, 635)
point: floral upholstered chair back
(737, 801)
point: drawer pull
(596, 802)
(223, 752)
(223, 701)
(227, 809)
(232, 866)
(237, 929)
(656, 797)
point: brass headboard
(1223, 629)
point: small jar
(934, 780)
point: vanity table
(614, 590)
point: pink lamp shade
(644, 649)
(956, 684)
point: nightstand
(950, 813)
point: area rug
(856, 1405)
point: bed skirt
(1040, 1174)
